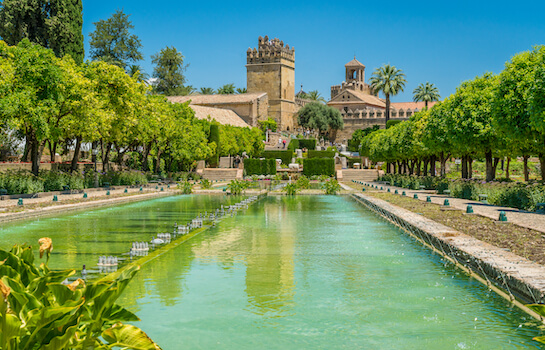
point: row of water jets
(107, 264)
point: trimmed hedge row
(286, 156)
(321, 154)
(309, 144)
(260, 166)
(319, 166)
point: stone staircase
(214, 174)
(348, 175)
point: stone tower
(354, 79)
(271, 69)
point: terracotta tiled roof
(411, 105)
(217, 99)
(222, 116)
(360, 97)
(354, 63)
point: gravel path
(515, 216)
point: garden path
(515, 216)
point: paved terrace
(515, 216)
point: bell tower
(270, 68)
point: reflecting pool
(82, 237)
(315, 272)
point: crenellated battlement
(270, 51)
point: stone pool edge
(513, 277)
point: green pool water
(82, 237)
(317, 272)
(310, 272)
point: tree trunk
(158, 163)
(106, 156)
(147, 150)
(490, 171)
(507, 175)
(433, 171)
(443, 160)
(74, 165)
(34, 155)
(26, 152)
(418, 164)
(52, 150)
(542, 166)
(526, 172)
(387, 113)
(464, 168)
(425, 167)
(470, 167)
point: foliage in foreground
(37, 311)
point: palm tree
(315, 96)
(207, 91)
(390, 81)
(241, 90)
(427, 93)
(136, 70)
(227, 89)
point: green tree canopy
(169, 72)
(55, 24)
(320, 117)
(112, 42)
(390, 81)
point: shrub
(259, 166)
(236, 187)
(321, 154)
(319, 166)
(214, 137)
(309, 144)
(186, 187)
(206, 184)
(291, 189)
(286, 156)
(303, 182)
(331, 186)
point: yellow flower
(46, 245)
(5, 290)
(75, 284)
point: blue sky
(444, 43)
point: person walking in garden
(284, 143)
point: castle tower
(354, 79)
(271, 68)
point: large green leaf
(539, 308)
(61, 341)
(10, 328)
(119, 313)
(128, 336)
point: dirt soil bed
(521, 241)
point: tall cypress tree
(55, 24)
(64, 24)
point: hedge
(286, 156)
(260, 166)
(319, 166)
(309, 144)
(214, 137)
(321, 154)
